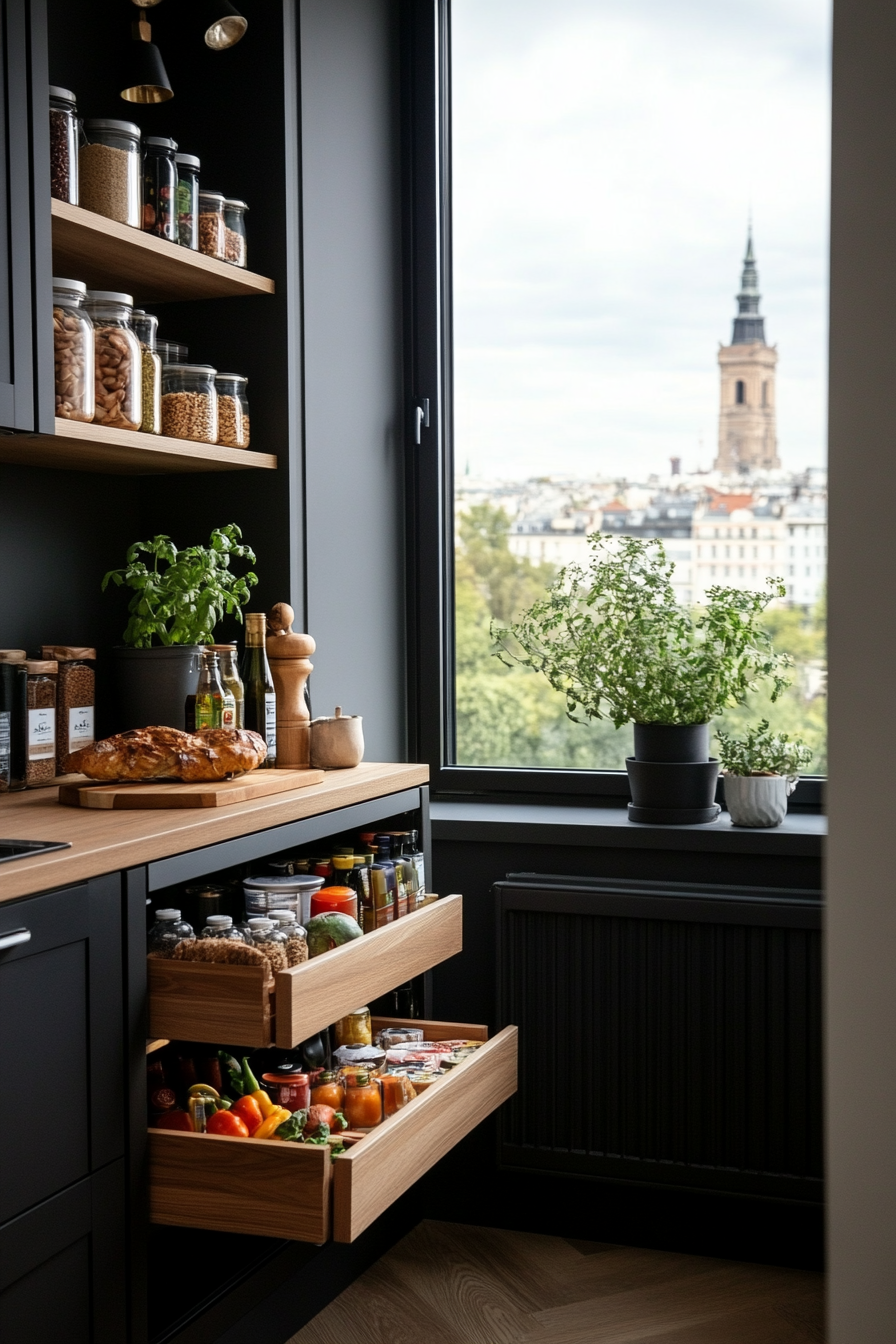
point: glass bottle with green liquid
(210, 694)
(259, 697)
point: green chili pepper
(249, 1082)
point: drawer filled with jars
(316, 1142)
(280, 949)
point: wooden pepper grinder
(288, 655)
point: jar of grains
(145, 326)
(63, 145)
(160, 187)
(118, 359)
(187, 200)
(40, 766)
(75, 698)
(189, 402)
(211, 224)
(233, 410)
(235, 232)
(110, 171)
(72, 352)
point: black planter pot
(671, 775)
(152, 685)
(671, 741)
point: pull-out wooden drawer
(193, 1001)
(300, 1192)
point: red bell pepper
(226, 1122)
(249, 1111)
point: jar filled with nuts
(72, 351)
(235, 232)
(63, 145)
(211, 224)
(233, 410)
(189, 402)
(109, 169)
(40, 765)
(145, 326)
(118, 360)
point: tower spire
(749, 326)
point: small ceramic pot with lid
(337, 743)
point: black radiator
(668, 1034)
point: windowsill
(801, 834)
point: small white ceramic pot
(337, 743)
(758, 800)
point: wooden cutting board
(242, 789)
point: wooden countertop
(105, 842)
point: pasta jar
(63, 145)
(211, 224)
(233, 410)
(145, 326)
(187, 200)
(189, 402)
(109, 170)
(235, 232)
(160, 187)
(118, 360)
(40, 765)
(75, 698)
(73, 353)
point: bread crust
(167, 753)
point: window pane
(640, 218)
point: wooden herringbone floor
(450, 1284)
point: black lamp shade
(149, 79)
(224, 25)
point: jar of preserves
(235, 232)
(109, 170)
(363, 1104)
(189, 402)
(211, 224)
(328, 1091)
(187, 200)
(73, 352)
(288, 1089)
(168, 930)
(355, 1028)
(13, 720)
(233, 410)
(398, 1090)
(63, 145)
(40, 766)
(117, 358)
(145, 327)
(75, 698)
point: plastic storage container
(189, 402)
(235, 232)
(118, 360)
(187, 200)
(160, 187)
(73, 352)
(233, 410)
(211, 224)
(168, 930)
(110, 171)
(145, 327)
(264, 894)
(63, 145)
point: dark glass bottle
(160, 187)
(260, 700)
(13, 721)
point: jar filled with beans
(233, 410)
(118, 360)
(235, 232)
(211, 224)
(63, 145)
(73, 353)
(75, 698)
(189, 402)
(145, 326)
(40, 765)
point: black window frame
(425, 58)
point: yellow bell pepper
(265, 1104)
(273, 1121)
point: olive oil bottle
(260, 700)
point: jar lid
(204, 369)
(214, 196)
(109, 296)
(189, 160)
(283, 1075)
(223, 920)
(283, 917)
(234, 205)
(220, 648)
(261, 925)
(75, 286)
(12, 655)
(106, 124)
(160, 141)
(66, 653)
(56, 91)
(231, 377)
(36, 667)
(282, 882)
(167, 914)
(335, 893)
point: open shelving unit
(79, 447)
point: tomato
(249, 1111)
(225, 1122)
(174, 1120)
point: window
(740, 392)
(765, 394)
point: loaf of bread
(166, 753)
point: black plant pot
(152, 685)
(671, 775)
(671, 741)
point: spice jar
(159, 187)
(118, 360)
(63, 145)
(109, 170)
(235, 232)
(211, 224)
(187, 200)
(145, 326)
(40, 767)
(73, 352)
(75, 698)
(171, 352)
(363, 1105)
(168, 930)
(230, 676)
(233, 410)
(355, 1028)
(13, 720)
(189, 402)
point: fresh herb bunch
(182, 595)
(762, 752)
(614, 640)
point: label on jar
(41, 734)
(228, 713)
(5, 746)
(80, 727)
(270, 724)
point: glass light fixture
(149, 79)
(224, 24)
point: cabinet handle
(13, 939)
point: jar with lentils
(211, 224)
(118, 360)
(63, 145)
(233, 410)
(73, 352)
(40, 765)
(145, 326)
(75, 698)
(189, 402)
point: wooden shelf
(79, 447)
(108, 255)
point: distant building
(741, 542)
(747, 432)
(668, 517)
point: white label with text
(270, 724)
(80, 727)
(41, 734)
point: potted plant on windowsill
(760, 772)
(178, 598)
(614, 640)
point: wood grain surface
(202, 1001)
(434, 1031)
(126, 452)
(328, 986)
(216, 793)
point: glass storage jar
(235, 232)
(63, 145)
(109, 170)
(189, 402)
(355, 1028)
(168, 930)
(222, 926)
(271, 941)
(73, 353)
(13, 720)
(75, 698)
(171, 352)
(118, 360)
(160, 187)
(211, 224)
(187, 200)
(363, 1105)
(233, 410)
(40, 766)
(145, 326)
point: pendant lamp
(149, 81)
(224, 25)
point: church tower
(747, 435)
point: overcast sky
(605, 156)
